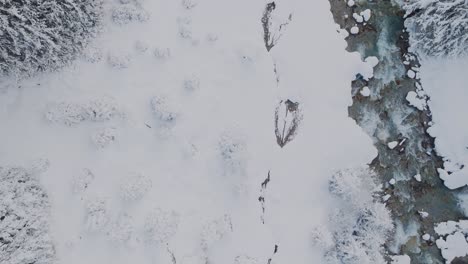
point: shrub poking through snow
(273, 27)
(24, 216)
(360, 225)
(438, 27)
(134, 187)
(160, 226)
(44, 35)
(287, 119)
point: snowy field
(153, 147)
(445, 81)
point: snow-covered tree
(37, 35)
(24, 216)
(438, 27)
(359, 225)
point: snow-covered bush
(233, 151)
(37, 35)
(244, 259)
(214, 231)
(104, 137)
(101, 109)
(161, 225)
(165, 110)
(82, 180)
(65, 113)
(70, 113)
(192, 83)
(134, 187)
(118, 61)
(24, 216)
(185, 27)
(141, 46)
(438, 27)
(189, 4)
(162, 53)
(121, 229)
(359, 225)
(129, 12)
(97, 214)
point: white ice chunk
(366, 14)
(358, 18)
(414, 100)
(365, 91)
(392, 145)
(417, 177)
(454, 246)
(354, 30)
(411, 74)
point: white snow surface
(446, 83)
(401, 259)
(131, 181)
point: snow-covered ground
(158, 140)
(445, 81)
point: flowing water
(387, 117)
